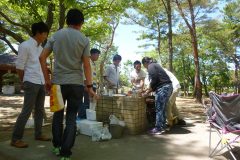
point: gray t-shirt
(68, 46)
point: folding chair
(224, 117)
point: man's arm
(21, 60)
(105, 76)
(43, 61)
(20, 74)
(88, 76)
(132, 79)
(87, 70)
(142, 83)
(108, 81)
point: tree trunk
(159, 38)
(192, 30)
(49, 20)
(184, 76)
(197, 85)
(237, 84)
(168, 10)
(62, 10)
(170, 47)
(101, 70)
(204, 82)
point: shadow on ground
(180, 143)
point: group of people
(75, 72)
(165, 87)
(72, 71)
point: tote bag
(56, 100)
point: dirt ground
(181, 143)
(10, 107)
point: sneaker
(167, 127)
(65, 158)
(56, 151)
(156, 131)
(19, 144)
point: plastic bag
(92, 104)
(96, 134)
(114, 120)
(106, 135)
(101, 134)
(30, 123)
(56, 100)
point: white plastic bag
(30, 123)
(114, 120)
(92, 105)
(101, 134)
(96, 134)
(106, 135)
(121, 123)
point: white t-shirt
(137, 77)
(175, 82)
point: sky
(127, 43)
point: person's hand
(145, 94)
(150, 100)
(96, 97)
(111, 84)
(92, 93)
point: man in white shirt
(173, 116)
(112, 73)
(30, 72)
(137, 76)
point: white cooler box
(91, 114)
(86, 126)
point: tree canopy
(198, 40)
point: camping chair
(224, 117)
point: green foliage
(218, 40)
(149, 15)
(124, 80)
(3, 48)
(10, 79)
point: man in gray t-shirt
(71, 56)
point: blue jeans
(161, 99)
(65, 139)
